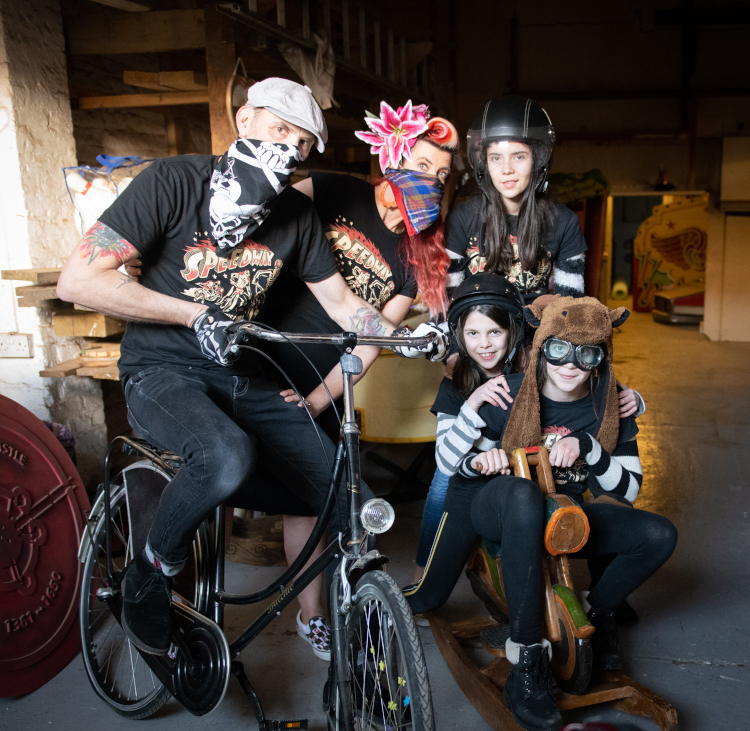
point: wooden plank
(220, 61)
(128, 5)
(110, 373)
(87, 325)
(150, 32)
(66, 368)
(166, 80)
(107, 350)
(37, 276)
(37, 295)
(468, 628)
(122, 101)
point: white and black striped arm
(620, 473)
(569, 276)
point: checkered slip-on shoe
(318, 634)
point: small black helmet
(516, 118)
(488, 289)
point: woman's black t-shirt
(560, 419)
(164, 214)
(465, 231)
(366, 253)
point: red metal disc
(43, 506)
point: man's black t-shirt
(465, 231)
(366, 253)
(164, 214)
(558, 420)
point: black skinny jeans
(222, 427)
(510, 511)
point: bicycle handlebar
(347, 339)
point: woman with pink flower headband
(387, 237)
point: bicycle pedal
(281, 725)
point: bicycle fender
(371, 561)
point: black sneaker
(604, 641)
(528, 690)
(146, 606)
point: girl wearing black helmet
(512, 228)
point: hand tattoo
(367, 322)
(101, 240)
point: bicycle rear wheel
(117, 672)
(386, 686)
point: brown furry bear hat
(581, 321)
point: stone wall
(36, 217)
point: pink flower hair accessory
(393, 133)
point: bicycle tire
(387, 686)
(113, 665)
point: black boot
(146, 606)
(528, 690)
(604, 641)
(625, 615)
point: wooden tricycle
(565, 625)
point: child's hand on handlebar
(495, 392)
(290, 396)
(565, 452)
(628, 401)
(494, 462)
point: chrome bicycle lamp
(377, 515)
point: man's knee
(223, 465)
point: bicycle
(377, 677)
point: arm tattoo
(101, 241)
(366, 321)
(126, 279)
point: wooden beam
(166, 80)
(37, 276)
(128, 5)
(37, 295)
(220, 61)
(66, 368)
(86, 325)
(152, 32)
(122, 101)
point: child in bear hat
(568, 402)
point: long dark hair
(467, 375)
(534, 220)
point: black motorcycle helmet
(516, 118)
(488, 289)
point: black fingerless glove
(211, 329)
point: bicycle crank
(196, 671)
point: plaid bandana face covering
(418, 197)
(247, 179)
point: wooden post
(362, 38)
(345, 28)
(378, 62)
(220, 60)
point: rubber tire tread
(387, 591)
(160, 696)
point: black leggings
(510, 511)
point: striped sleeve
(621, 473)
(456, 436)
(569, 276)
(456, 272)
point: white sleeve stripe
(471, 416)
(484, 444)
(445, 467)
(611, 478)
(568, 279)
(596, 452)
(454, 255)
(632, 491)
(631, 464)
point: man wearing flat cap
(212, 235)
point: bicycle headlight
(377, 515)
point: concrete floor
(691, 645)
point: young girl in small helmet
(512, 228)
(567, 401)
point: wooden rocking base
(484, 686)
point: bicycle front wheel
(386, 685)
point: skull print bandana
(243, 185)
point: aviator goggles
(586, 357)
